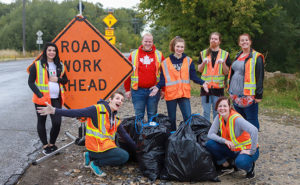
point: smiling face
(245, 42)
(179, 48)
(214, 41)
(116, 102)
(51, 53)
(224, 108)
(147, 42)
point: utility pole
(23, 25)
(80, 7)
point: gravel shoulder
(279, 161)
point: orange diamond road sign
(94, 67)
(110, 20)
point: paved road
(19, 139)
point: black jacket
(32, 78)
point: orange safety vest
(101, 136)
(177, 82)
(135, 63)
(41, 83)
(227, 132)
(214, 75)
(249, 79)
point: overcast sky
(105, 3)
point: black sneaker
(47, 150)
(53, 148)
(251, 174)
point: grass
(9, 54)
(281, 95)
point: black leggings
(56, 122)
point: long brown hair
(220, 39)
(174, 41)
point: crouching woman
(236, 141)
(101, 129)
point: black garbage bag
(151, 149)
(200, 127)
(186, 159)
(162, 120)
(132, 126)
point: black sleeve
(90, 112)
(200, 60)
(228, 61)
(31, 81)
(259, 77)
(126, 137)
(63, 80)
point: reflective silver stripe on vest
(167, 70)
(102, 119)
(159, 55)
(253, 60)
(168, 74)
(97, 134)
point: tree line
(274, 26)
(51, 17)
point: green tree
(51, 17)
(194, 20)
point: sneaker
(86, 159)
(47, 150)
(96, 170)
(53, 148)
(251, 174)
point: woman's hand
(206, 60)
(53, 79)
(154, 91)
(46, 110)
(230, 145)
(257, 100)
(205, 86)
(128, 94)
(245, 152)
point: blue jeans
(207, 106)
(249, 113)
(221, 153)
(185, 107)
(141, 100)
(113, 157)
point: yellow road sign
(109, 32)
(111, 39)
(110, 20)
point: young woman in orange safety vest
(46, 79)
(233, 140)
(177, 71)
(101, 129)
(245, 80)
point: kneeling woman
(238, 140)
(101, 129)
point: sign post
(94, 67)
(110, 20)
(39, 39)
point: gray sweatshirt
(241, 125)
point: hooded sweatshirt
(91, 112)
